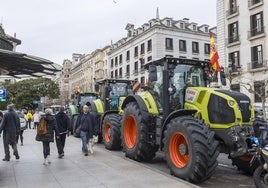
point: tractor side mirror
(152, 73)
(97, 87)
(223, 77)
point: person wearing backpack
(48, 136)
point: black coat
(63, 122)
(88, 124)
(51, 128)
(10, 122)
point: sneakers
(17, 156)
(5, 159)
(61, 155)
(86, 154)
(48, 159)
(45, 162)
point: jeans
(20, 135)
(60, 142)
(85, 138)
(46, 149)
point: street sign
(3, 94)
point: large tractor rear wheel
(111, 131)
(134, 134)
(190, 149)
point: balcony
(233, 40)
(256, 33)
(232, 12)
(254, 3)
(255, 66)
(136, 72)
(127, 74)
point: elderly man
(10, 125)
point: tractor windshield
(187, 75)
(180, 77)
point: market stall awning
(21, 65)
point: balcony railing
(254, 2)
(257, 64)
(232, 11)
(233, 39)
(256, 31)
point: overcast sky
(55, 29)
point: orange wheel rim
(107, 132)
(178, 149)
(130, 132)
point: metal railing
(256, 31)
(232, 11)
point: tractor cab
(169, 78)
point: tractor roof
(175, 61)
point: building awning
(20, 65)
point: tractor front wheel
(190, 149)
(111, 131)
(134, 133)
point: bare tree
(258, 89)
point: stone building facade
(242, 44)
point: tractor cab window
(184, 75)
(118, 90)
(157, 86)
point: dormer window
(129, 33)
(206, 29)
(168, 23)
(182, 25)
(194, 27)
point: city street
(103, 169)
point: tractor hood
(218, 107)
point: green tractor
(78, 101)
(190, 122)
(107, 109)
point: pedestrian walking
(51, 126)
(88, 127)
(29, 119)
(36, 118)
(23, 126)
(10, 125)
(63, 124)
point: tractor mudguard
(97, 106)
(141, 104)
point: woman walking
(49, 135)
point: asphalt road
(226, 175)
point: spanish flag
(214, 57)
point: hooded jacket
(63, 122)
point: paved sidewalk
(103, 169)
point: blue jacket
(88, 123)
(10, 122)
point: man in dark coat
(10, 125)
(63, 124)
(88, 127)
